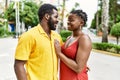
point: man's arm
(20, 70)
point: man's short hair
(45, 8)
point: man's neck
(45, 27)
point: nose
(57, 20)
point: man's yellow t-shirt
(38, 49)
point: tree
(113, 4)
(114, 14)
(11, 12)
(28, 15)
(115, 31)
(62, 14)
(94, 21)
(105, 19)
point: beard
(51, 24)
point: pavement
(103, 67)
(7, 50)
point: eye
(71, 20)
(56, 16)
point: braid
(80, 13)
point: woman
(75, 52)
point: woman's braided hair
(81, 14)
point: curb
(105, 52)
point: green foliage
(93, 23)
(102, 46)
(28, 15)
(2, 31)
(115, 31)
(64, 34)
(117, 48)
(118, 16)
(1, 24)
(114, 14)
(114, 11)
(76, 6)
(11, 12)
(107, 47)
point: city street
(7, 49)
(102, 66)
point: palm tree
(62, 12)
(105, 19)
(63, 9)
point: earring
(80, 27)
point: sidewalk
(7, 49)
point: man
(35, 48)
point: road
(103, 67)
(7, 49)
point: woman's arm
(82, 56)
(20, 70)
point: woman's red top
(65, 72)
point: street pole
(23, 24)
(17, 19)
(6, 18)
(97, 18)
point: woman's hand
(57, 47)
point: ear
(47, 16)
(82, 23)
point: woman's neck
(76, 33)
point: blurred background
(17, 16)
(103, 27)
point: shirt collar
(42, 31)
